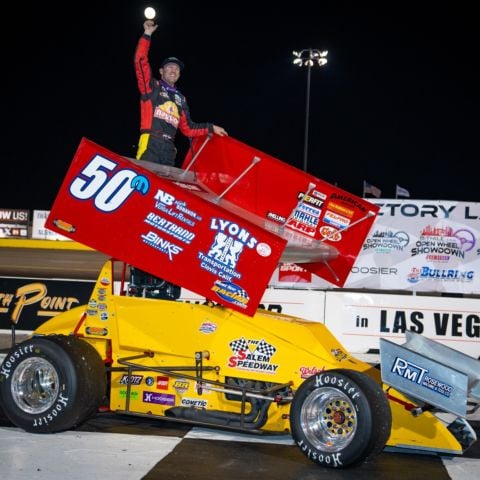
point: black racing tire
(340, 418)
(51, 384)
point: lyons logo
(232, 293)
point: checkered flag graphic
(239, 345)
(265, 348)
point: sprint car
(224, 364)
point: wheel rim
(328, 419)
(35, 385)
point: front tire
(51, 384)
(339, 418)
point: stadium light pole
(309, 58)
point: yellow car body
(180, 355)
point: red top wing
(220, 226)
(310, 213)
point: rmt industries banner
(414, 245)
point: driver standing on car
(163, 110)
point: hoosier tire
(340, 418)
(51, 384)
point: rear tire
(339, 418)
(50, 384)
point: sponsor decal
(339, 354)
(155, 241)
(350, 201)
(291, 272)
(318, 194)
(417, 374)
(342, 209)
(309, 209)
(374, 270)
(336, 220)
(193, 402)
(150, 381)
(226, 249)
(306, 372)
(305, 218)
(169, 227)
(158, 398)
(177, 209)
(134, 395)
(162, 383)
(181, 385)
(102, 332)
(276, 217)
(252, 355)
(387, 241)
(311, 200)
(264, 250)
(168, 111)
(330, 233)
(440, 274)
(208, 327)
(232, 293)
(132, 379)
(65, 226)
(301, 227)
(440, 243)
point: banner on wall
(29, 302)
(14, 223)
(413, 245)
(39, 232)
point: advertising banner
(39, 232)
(14, 223)
(27, 303)
(359, 320)
(422, 246)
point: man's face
(170, 73)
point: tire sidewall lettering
(10, 361)
(333, 459)
(332, 380)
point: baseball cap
(172, 60)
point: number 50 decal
(108, 192)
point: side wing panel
(168, 226)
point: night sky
(397, 102)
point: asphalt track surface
(119, 447)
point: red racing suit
(163, 110)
